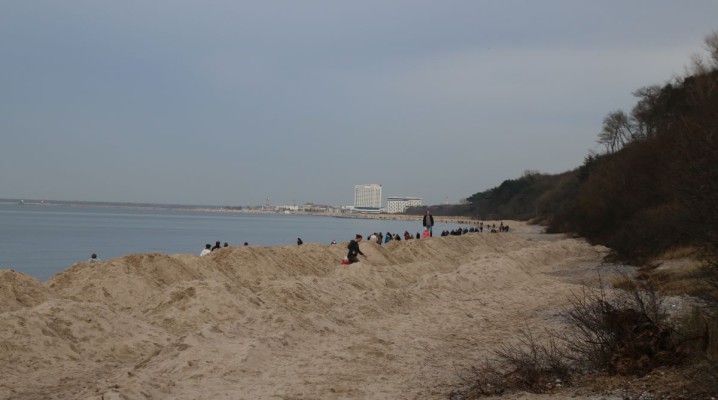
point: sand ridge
(280, 322)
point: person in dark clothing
(299, 242)
(429, 222)
(354, 251)
(216, 246)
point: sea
(41, 240)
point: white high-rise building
(395, 205)
(367, 197)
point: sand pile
(280, 322)
(18, 290)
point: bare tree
(617, 131)
(712, 45)
(646, 113)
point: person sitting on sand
(354, 251)
(93, 258)
(388, 237)
(426, 233)
(216, 246)
(207, 249)
(299, 241)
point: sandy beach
(284, 322)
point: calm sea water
(42, 240)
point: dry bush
(535, 365)
(699, 328)
(482, 380)
(625, 334)
(588, 340)
(698, 331)
(527, 364)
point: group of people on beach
(208, 248)
(427, 221)
(479, 229)
(377, 237)
(381, 238)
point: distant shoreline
(178, 207)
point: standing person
(429, 222)
(353, 255)
(207, 249)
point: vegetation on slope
(654, 188)
(652, 191)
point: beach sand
(284, 322)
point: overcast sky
(231, 102)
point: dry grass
(685, 252)
(670, 277)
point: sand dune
(280, 322)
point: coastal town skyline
(374, 201)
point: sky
(234, 102)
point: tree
(617, 131)
(648, 111)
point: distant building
(367, 197)
(395, 205)
(311, 207)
